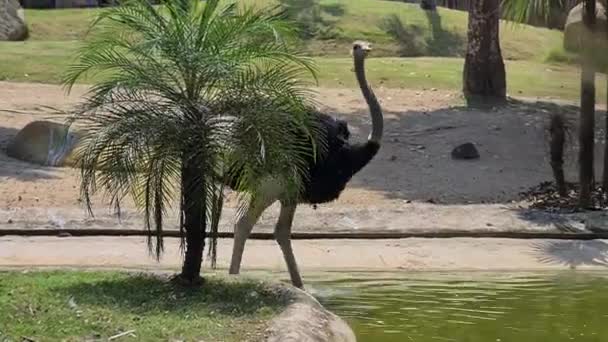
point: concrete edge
(305, 319)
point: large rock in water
(12, 21)
(45, 143)
(575, 30)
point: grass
(334, 24)
(536, 63)
(76, 306)
(46, 61)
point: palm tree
(521, 10)
(183, 92)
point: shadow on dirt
(415, 160)
(573, 253)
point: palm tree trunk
(194, 220)
(484, 77)
(428, 5)
(587, 115)
(605, 174)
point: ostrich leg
(282, 234)
(243, 229)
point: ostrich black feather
(334, 168)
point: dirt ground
(412, 185)
(458, 254)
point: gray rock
(575, 30)
(305, 319)
(12, 21)
(465, 151)
(45, 143)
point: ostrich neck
(370, 98)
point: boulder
(305, 319)
(12, 21)
(465, 151)
(575, 30)
(45, 143)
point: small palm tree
(184, 92)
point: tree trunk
(605, 174)
(484, 78)
(587, 116)
(428, 5)
(194, 220)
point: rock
(305, 319)
(575, 30)
(12, 21)
(45, 143)
(465, 151)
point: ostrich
(327, 179)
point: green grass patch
(36, 61)
(45, 62)
(536, 63)
(395, 28)
(527, 79)
(75, 306)
(59, 24)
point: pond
(471, 307)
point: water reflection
(472, 307)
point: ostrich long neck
(370, 98)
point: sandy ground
(413, 184)
(389, 255)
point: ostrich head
(361, 48)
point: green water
(473, 307)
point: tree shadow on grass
(413, 41)
(143, 294)
(314, 20)
(573, 253)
